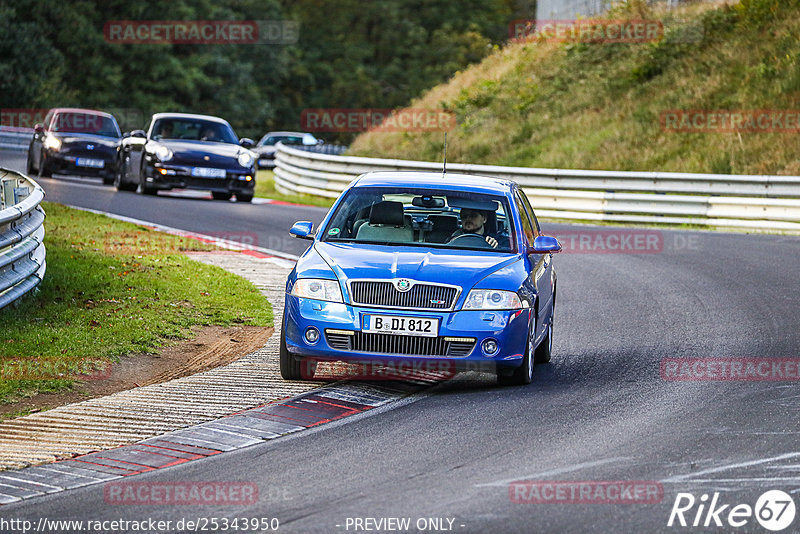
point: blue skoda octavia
(410, 266)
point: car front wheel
(142, 187)
(522, 375)
(244, 197)
(44, 168)
(29, 165)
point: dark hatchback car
(75, 141)
(187, 151)
(266, 145)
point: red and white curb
(236, 431)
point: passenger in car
(474, 222)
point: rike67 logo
(774, 510)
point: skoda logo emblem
(403, 285)
(89, 147)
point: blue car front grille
(405, 345)
(421, 296)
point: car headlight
(163, 153)
(313, 288)
(53, 143)
(246, 159)
(492, 299)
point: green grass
(598, 106)
(112, 289)
(265, 188)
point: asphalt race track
(600, 411)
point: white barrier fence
(22, 252)
(744, 201)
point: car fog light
(489, 347)
(312, 335)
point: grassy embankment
(112, 289)
(598, 106)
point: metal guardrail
(335, 150)
(22, 252)
(745, 201)
(15, 138)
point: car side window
(527, 203)
(525, 219)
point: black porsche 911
(187, 151)
(74, 141)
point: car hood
(264, 150)
(200, 148)
(464, 268)
(71, 139)
(204, 154)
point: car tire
(29, 165)
(44, 168)
(244, 197)
(545, 348)
(217, 195)
(291, 366)
(119, 183)
(143, 189)
(523, 375)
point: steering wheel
(470, 240)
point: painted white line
(551, 472)
(223, 243)
(679, 478)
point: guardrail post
(8, 193)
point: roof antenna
(444, 165)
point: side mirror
(303, 230)
(38, 128)
(246, 142)
(544, 244)
(139, 133)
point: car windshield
(193, 130)
(88, 123)
(422, 217)
(285, 139)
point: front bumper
(61, 163)
(509, 329)
(165, 176)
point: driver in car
(473, 222)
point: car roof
(189, 116)
(454, 182)
(286, 133)
(81, 110)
